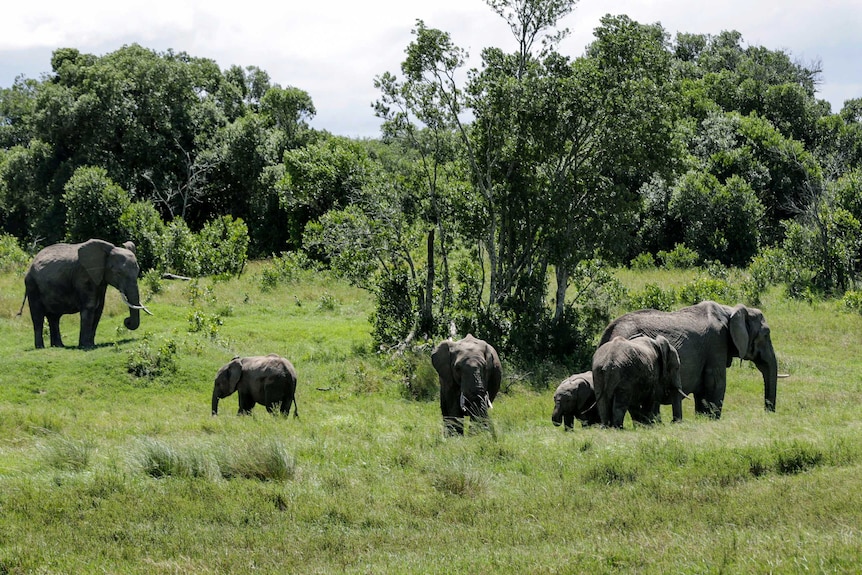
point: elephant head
(470, 374)
(118, 267)
(671, 385)
(575, 398)
(226, 382)
(749, 333)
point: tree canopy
(490, 193)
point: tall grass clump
(158, 459)
(264, 460)
(65, 454)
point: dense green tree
(94, 205)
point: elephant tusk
(143, 307)
(783, 375)
(683, 394)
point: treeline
(484, 188)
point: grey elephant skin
(708, 336)
(575, 398)
(470, 374)
(636, 375)
(73, 278)
(268, 380)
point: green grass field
(102, 471)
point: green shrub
(94, 206)
(285, 268)
(147, 361)
(707, 288)
(643, 261)
(653, 297)
(680, 257)
(142, 224)
(12, 257)
(223, 246)
(852, 300)
(180, 249)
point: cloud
(334, 49)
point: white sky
(333, 49)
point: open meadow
(110, 461)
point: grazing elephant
(470, 375)
(73, 278)
(708, 336)
(269, 380)
(574, 399)
(636, 375)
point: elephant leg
(620, 407)
(246, 403)
(54, 330)
(569, 422)
(708, 402)
(285, 405)
(453, 417)
(87, 335)
(38, 318)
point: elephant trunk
(133, 300)
(215, 400)
(768, 366)
(557, 416)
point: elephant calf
(636, 375)
(575, 398)
(269, 380)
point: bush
(707, 288)
(223, 246)
(180, 249)
(643, 261)
(12, 257)
(653, 297)
(142, 224)
(94, 206)
(285, 268)
(680, 257)
(145, 361)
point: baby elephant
(636, 375)
(575, 398)
(269, 380)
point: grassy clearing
(101, 470)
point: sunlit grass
(100, 471)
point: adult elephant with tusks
(73, 278)
(470, 374)
(708, 336)
(268, 380)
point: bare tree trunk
(427, 314)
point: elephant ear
(234, 373)
(441, 360)
(93, 255)
(739, 334)
(669, 357)
(494, 369)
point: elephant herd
(645, 358)
(648, 358)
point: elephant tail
(20, 311)
(295, 407)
